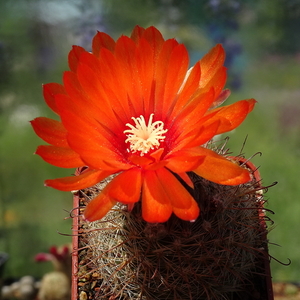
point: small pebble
(95, 275)
(81, 283)
(83, 296)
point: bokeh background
(262, 42)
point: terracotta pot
(75, 215)
(265, 281)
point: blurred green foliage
(35, 37)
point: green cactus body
(219, 256)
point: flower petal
(137, 33)
(218, 169)
(140, 160)
(99, 207)
(184, 160)
(151, 34)
(99, 78)
(121, 190)
(145, 63)
(87, 137)
(51, 131)
(209, 73)
(183, 204)
(125, 53)
(82, 181)
(221, 98)
(210, 64)
(176, 70)
(185, 177)
(188, 89)
(102, 40)
(217, 82)
(190, 119)
(74, 56)
(49, 92)
(87, 105)
(59, 157)
(198, 137)
(156, 206)
(231, 116)
(162, 79)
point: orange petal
(192, 95)
(196, 136)
(188, 89)
(156, 155)
(91, 61)
(51, 131)
(203, 98)
(211, 63)
(103, 159)
(73, 87)
(190, 118)
(149, 44)
(220, 170)
(145, 63)
(91, 85)
(87, 137)
(156, 206)
(183, 204)
(71, 183)
(185, 177)
(98, 207)
(163, 76)
(151, 162)
(74, 56)
(59, 157)
(217, 82)
(140, 160)
(137, 32)
(100, 84)
(86, 105)
(154, 37)
(102, 40)
(233, 115)
(125, 54)
(184, 161)
(49, 92)
(176, 71)
(221, 98)
(156, 165)
(126, 187)
(151, 34)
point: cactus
(219, 256)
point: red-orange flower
(132, 108)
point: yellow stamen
(144, 137)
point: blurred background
(262, 42)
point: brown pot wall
(75, 237)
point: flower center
(144, 137)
